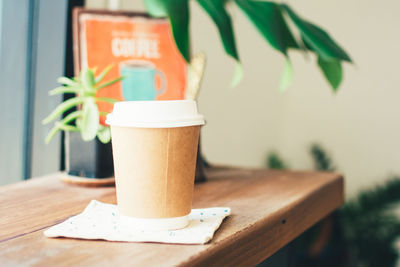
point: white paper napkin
(102, 221)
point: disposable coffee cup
(154, 148)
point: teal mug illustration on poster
(140, 80)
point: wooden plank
(42, 202)
(269, 209)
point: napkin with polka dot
(102, 221)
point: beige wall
(359, 125)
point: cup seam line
(166, 173)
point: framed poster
(140, 48)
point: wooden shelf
(269, 209)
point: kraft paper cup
(154, 148)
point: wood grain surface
(269, 209)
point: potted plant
(87, 143)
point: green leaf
(322, 160)
(274, 161)
(78, 122)
(104, 134)
(52, 133)
(87, 79)
(110, 83)
(58, 125)
(66, 81)
(287, 76)
(238, 74)
(267, 18)
(64, 90)
(62, 125)
(71, 116)
(103, 113)
(66, 127)
(156, 8)
(332, 70)
(216, 10)
(103, 74)
(317, 38)
(106, 99)
(178, 14)
(60, 109)
(90, 120)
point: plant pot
(91, 159)
(94, 159)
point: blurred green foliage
(363, 231)
(86, 118)
(271, 20)
(275, 162)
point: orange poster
(140, 48)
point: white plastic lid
(155, 114)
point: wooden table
(269, 209)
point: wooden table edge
(236, 249)
(222, 248)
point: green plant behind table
(270, 19)
(367, 226)
(275, 162)
(372, 226)
(86, 118)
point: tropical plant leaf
(274, 161)
(103, 74)
(110, 83)
(66, 81)
(64, 90)
(59, 126)
(104, 134)
(60, 109)
(332, 70)
(371, 225)
(103, 113)
(87, 79)
(216, 10)
(156, 8)
(237, 75)
(322, 161)
(52, 133)
(106, 99)
(178, 14)
(90, 120)
(267, 18)
(71, 116)
(317, 38)
(67, 127)
(287, 76)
